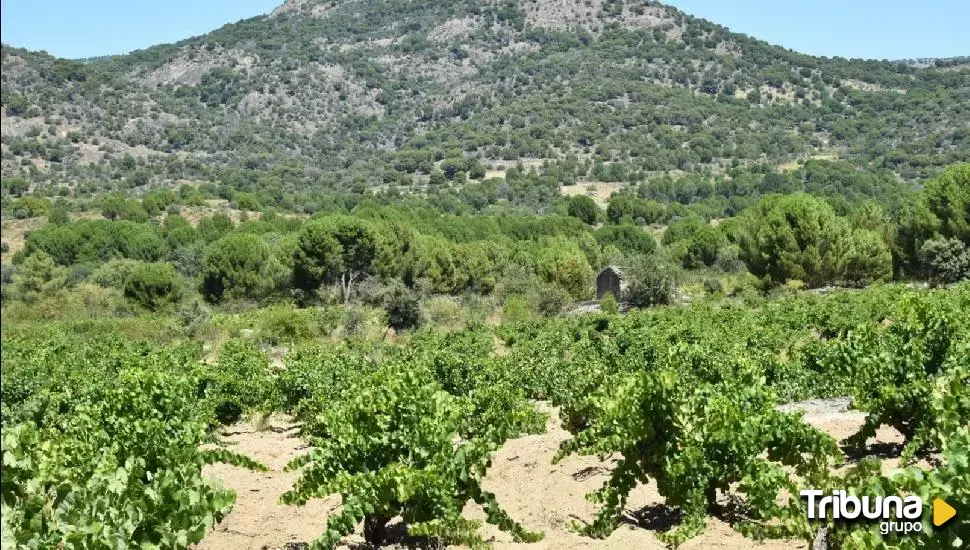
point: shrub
(442, 310)
(284, 324)
(564, 264)
(38, 277)
(608, 304)
(402, 309)
(945, 261)
(115, 273)
(516, 309)
(549, 299)
(629, 239)
(584, 208)
(242, 382)
(153, 285)
(651, 283)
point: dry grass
(15, 234)
(599, 191)
(794, 164)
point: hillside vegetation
(332, 94)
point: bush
(651, 283)
(284, 324)
(563, 263)
(713, 286)
(38, 277)
(629, 239)
(945, 261)
(242, 382)
(549, 299)
(153, 285)
(115, 273)
(402, 309)
(608, 304)
(584, 208)
(442, 310)
(516, 309)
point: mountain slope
(375, 92)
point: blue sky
(892, 29)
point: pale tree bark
(347, 281)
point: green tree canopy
(584, 208)
(235, 266)
(334, 249)
(153, 285)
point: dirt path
(258, 520)
(540, 495)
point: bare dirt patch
(599, 191)
(258, 520)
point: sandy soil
(540, 495)
(258, 520)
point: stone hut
(610, 281)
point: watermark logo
(896, 514)
(942, 512)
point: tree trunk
(375, 529)
(346, 284)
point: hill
(367, 93)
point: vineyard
(106, 438)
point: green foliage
(627, 238)
(240, 384)
(915, 371)
(284, 323)
(115, 273)
(332, 249)
(96, 241)
(695, 439)
(584, 208)
(697, 242)
(948, 198)
(562, 263)
(608, 304)
(650, 283)
(31, 207)
(211, 228)
(637, 210)
(101, 443)
(799, 237)
(948, 481)
(114, 206)
(153, 285)
(38, 277)
(548, 299)
(945, 261)
(15, 186)
(235, 266)
(391, 443)
(402, 308)
(622, 384)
